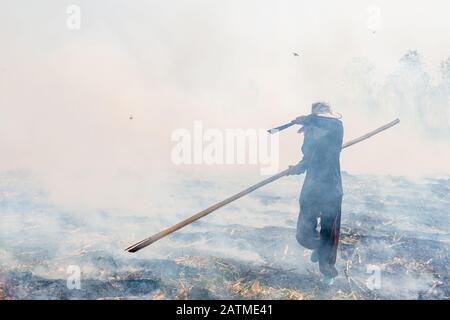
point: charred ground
(397, 225)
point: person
(321, 194)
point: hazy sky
(67, 95)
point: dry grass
(254, 290)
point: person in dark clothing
(321, 194)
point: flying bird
(295, 54)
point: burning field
(394, 245)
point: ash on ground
(394, 245)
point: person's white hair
(321, 107)
(324, 109)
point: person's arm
(299, 168)
(307, 150)
(303, 120)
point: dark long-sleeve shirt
(321, 152)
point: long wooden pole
(148, 241)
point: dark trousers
(326, 241)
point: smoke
(90, 113)
(422, 102)
(87, 116)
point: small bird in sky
(131, 117)
(295, 54)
